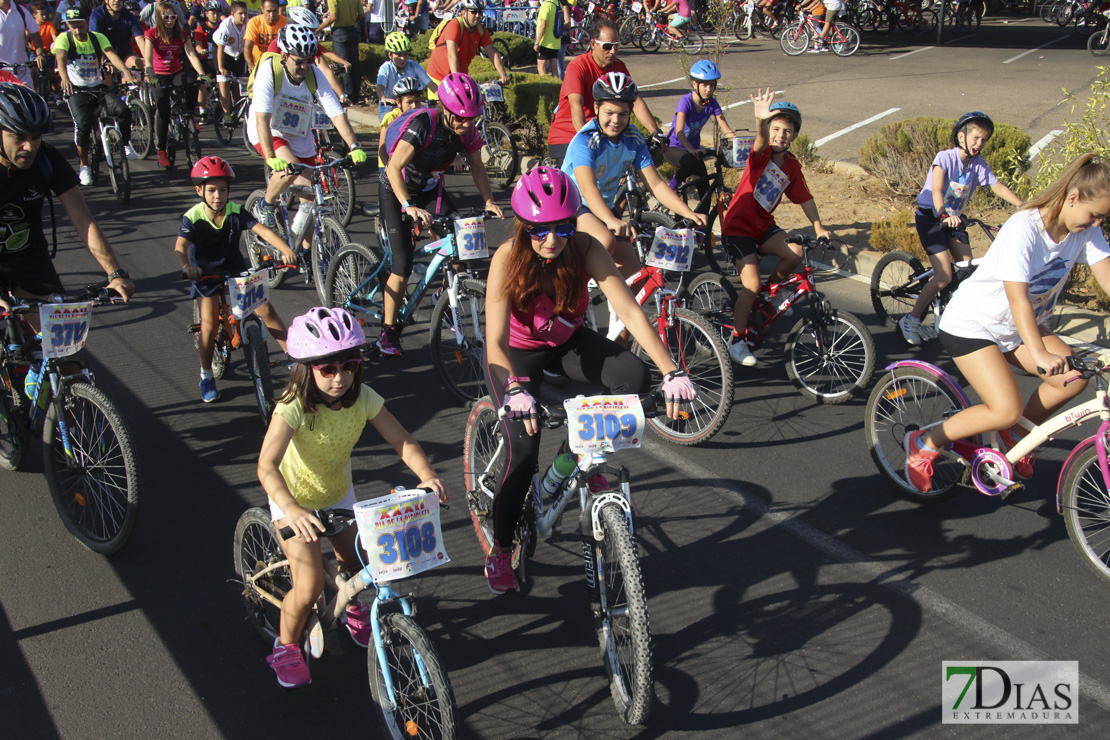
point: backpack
(95, 44)
(434, 36)
(557, 32)
(393, 133)
(279, 75)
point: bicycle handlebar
(98, 295)
(221, 276)
(337, 521)
(554, 415)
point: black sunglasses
(563, 231)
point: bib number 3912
(671, 249)
(604, 423)
(248, 294)
(65, 327)
(470, 236)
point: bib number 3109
(604, 423)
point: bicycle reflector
(895, 394)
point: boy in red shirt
(748, 228)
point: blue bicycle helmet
(790, 111)
(705, 71)
(976, 117)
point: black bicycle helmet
(132, 6)
(975, 116)
(23, 111)
(615, 86)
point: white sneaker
(911, 329)
(129, 152)
(741, 354)
(84, 176)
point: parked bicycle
(88, 455)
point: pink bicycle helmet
(545, 195)
(323, 332)
(459, 94)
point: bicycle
(915, 395)
(796, 37)
(409, 684)
(596, 426)
(830, 354)
(1099, 43)
(184, 131)
(356, 281)
(499, 151)
(909, 17)
(89, 459)
(654, 34)
(109, 147)
(338, 183)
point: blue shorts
(933, 233)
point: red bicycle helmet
(211, 167)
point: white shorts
(833, 4)
(348, 502)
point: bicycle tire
(257, 548)
(848, 42)
(691, 42)
(247, 142)
(13, 433)
(339, 189)
(1099, 43)
(333, 237)
(171, 146)
(1046, 11)
(258, 249)
(830, 360)
(500, 155)
(1086, 507)
(869, 20)
(350, 267)
(696, 347)
(794, 39)
(579, 40)
(894, 290)
(1088, 22)
(120, 172)
(1065, 15)
(98, 500)
(95, 154)
(744, 28)
(423, 708)
(621, 622)
(713, 297)
(649, 40)
(192, 143)
(462, 369)
(905, 400)
(258, 365)
(142, 128)
(628, 28)
(221, 350)
(224, 132)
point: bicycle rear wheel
(621, 621)
(830, 356)
(120, 172)
(142, 128)
(258, 364)
(905, 400)
(713, 297)
(95, 482)
(461, 367)
(333, 237)
(499, 155)
(1086, 508)
(257, 548)
(894, 290)
(423, 704)
(691, 42)
(845, 41)
(339, 189)
(794, 39)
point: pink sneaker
(288, 663)
(598, 483)
(163, 159)
(919, 463)
(359, 624)
(499, 571)
(389, 342)
(1023, 467)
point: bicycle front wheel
(696, 347)
(461, 363)
(1086, 507)
(351, 279)
(120, 172)
(423, 703)
(339, 189)
(499, 155)
(894, 290)
(830, 358)
(845, 41)
(623, 628)
(484, 456)
(691, 42)
(628, 27)
(1099, 43)
(794, 39)
(91, 473)
(142, 128)
(649, 40)
(256, 549)
(713, 297)
(258, 363)
(257, 249)
(332, 238)
(192, 143)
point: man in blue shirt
(120, 27)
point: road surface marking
(909, 53)
(854, 126)
(1050, 43)
(1044, 141)
(664, 82)
(748, 102)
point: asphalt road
(791, 594)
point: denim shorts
(933, 234)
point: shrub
(898, 232)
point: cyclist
(816, 9)
(832, 11)
(953, 177)
(536, 300)
(996, 316)
(208, 241)
(409, 94)
(18, 31)
(48, 33)
(748, 228)
(420, 145)
(29, 171)
(693, 112)
(121, 27)
(305, 464)
(397, 67)
(230, 61)
(305, 18)
(165, 41)
(458, 43)
(79, 56)
(287, 88)
(599, 158)
(205, 43)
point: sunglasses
(331, 369)
(609, 45)
(563, 231)
(170, 17)
(300, 61)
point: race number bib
(493, 93)
(741, 150)
(87, 70)
(292, 117)
(671, 249)
(637, 7)
(320, 120)
(65, 327)
(470, 238)
(771, 184)
(604, 423)
(401, 534)
(955, 197)
(248, 294)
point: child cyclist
(953, 177)
(693, 112)
(305, 464)
(409, 94)
(748, 228)
(995, 317)
(209, 241)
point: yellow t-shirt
(317, 462)
(387, 119)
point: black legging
(398, 229)
(161, 93)
(586, 357)
(688, 166)
(83, 107)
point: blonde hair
(1088, 175)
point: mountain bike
(595, 427)
(225, 130)
(408, 682)
(356, 281)
(796, 37)
(915, 395)
(184, 131)
(88, 456)
(109, 147)
(830, 354)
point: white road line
(911, 53)
(878, 573)
(748, 102)
(660, 84)
(1043, 142)
(854, 126)
(1050, 43)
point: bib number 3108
(604, 423)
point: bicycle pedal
(193, 329)
(1012, 489)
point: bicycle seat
(370, 210)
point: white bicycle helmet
(299, 15)
(297, 40)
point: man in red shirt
(576, 97)
(459, 42)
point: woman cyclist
(535, 304)
(420, 146)
(165, 41)
(693, 112)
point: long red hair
(524, 275)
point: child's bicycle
(239, 327)
(356, 281)
(616, 587)
(240, 103)
(407, 679)
(915, 395)
(830, 354)
(796, 37)
(650, 36)
(88, 456)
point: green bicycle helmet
(398, 43)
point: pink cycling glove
(677, 387)
(519, 404)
